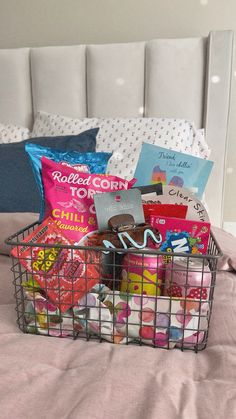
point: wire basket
(143, 297)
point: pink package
(69, 196)
(180, 235)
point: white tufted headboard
(184, 78)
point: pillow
(124, 137)
(18, 189)
(10, 223)
(6, 286)
(227, 243)
(12, 133)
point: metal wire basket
(143, 297)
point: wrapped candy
(63, 273)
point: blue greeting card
(160, 165)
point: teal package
(95, 162)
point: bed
(63, 378)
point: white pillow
(124, 136)
(10, 133)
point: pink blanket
(45, 377)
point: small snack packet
(69, 197)
(64, 273)
(90, 162)
(168, 210)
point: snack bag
(65, 274)
(167, 210)
(89, 162)
(69, 197)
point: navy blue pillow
(18, 188)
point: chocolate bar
(138, 236)
(121, 222)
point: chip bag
(88, 162)
(69, 197)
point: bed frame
(183, 78)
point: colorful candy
(62, 272)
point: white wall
(65, 22)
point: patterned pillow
(13, 134)
(124, 136)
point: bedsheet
(61, 378)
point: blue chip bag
(86, 162)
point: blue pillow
(18, 188)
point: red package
(167, 210)
(65, 274)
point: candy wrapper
(121, 318)
(65, 274)
(88, 162)
(179, 235)
(113, 205)
(69, 197)
(168, 210)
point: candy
(167, 210)
(65, 274)
(121, 222)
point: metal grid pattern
(142, 303)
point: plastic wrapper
(63, 273)
(69, 197)
(94, 162)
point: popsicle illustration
(176, 181)
(158, 175)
